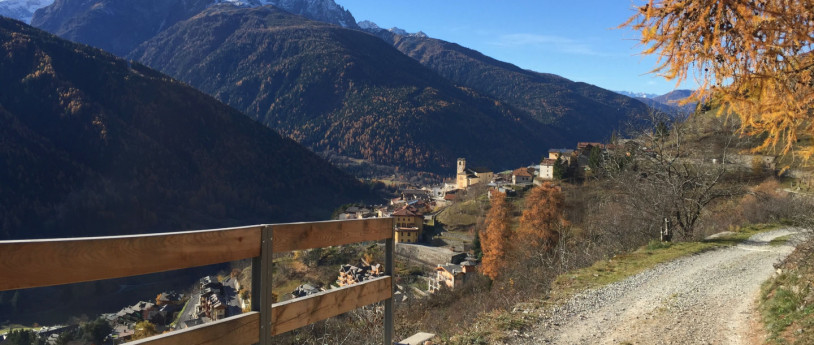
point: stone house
(451, 275)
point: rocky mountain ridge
(22, 10)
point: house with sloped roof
(451, 275)
(522, 176)
(170, 297)
(546, 169)
(586, 146)
(564, 154)
(409, 224)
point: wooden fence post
(261, 285)
(388, 303)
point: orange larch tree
(753, 55)
(542, 218)
(495, 238)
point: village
(415, 212)
(447, 258)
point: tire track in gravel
(705, 298)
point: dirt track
(701, 299)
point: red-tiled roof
(521, 172)
(583, 145)
(408, 211)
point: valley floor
(707, 298)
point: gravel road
(706, 298)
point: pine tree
(477, 250)
(559, 168)
(495, 238)
(542, 218)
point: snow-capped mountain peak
(398, 31)
(22, 10)
(637, 94)
(371, 27)
(321, 10)
(368, 25)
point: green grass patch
(787, 300)
(475, 338)
(786, 309)
(178, 315)
(779, 241)
(17, 327)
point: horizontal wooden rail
(243, 329)
(300, 236)
(34, 263)
(296, 313)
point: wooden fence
(35, 263)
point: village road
(706, 298)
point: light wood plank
(243, 329)
(34, 263)
(300, 312)
(299, 236)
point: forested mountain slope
(578, 110)
(92, 145)
(343, 90)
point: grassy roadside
(178, 316)
(787, 299)
(492, 326)
(605, 272)
(17, 327)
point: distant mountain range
(577, 110)
(669, 102)
(94, 145)
(638, 94)
(22, 10)
(332, 87)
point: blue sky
(575, 39)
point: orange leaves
(495, 238)
(539, 228)
(753, 54)
(542, 218)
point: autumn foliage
(495, 239)
(542, 217)
(753, 55)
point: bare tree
(667, 179)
